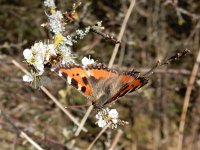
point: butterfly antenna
(176, 57)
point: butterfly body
(100, 84)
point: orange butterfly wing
(131, 81)
(76, 76)
(99, 71)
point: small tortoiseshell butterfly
(99, 83)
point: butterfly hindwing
(103, 82)
(99, 76)
(130, 81)
(134, 80)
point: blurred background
(156, 30)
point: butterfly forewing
(99, 71)
(76, 76)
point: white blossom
(68, 40)
(50, 51)
(55, 20)
(80, 34)
(99, 23)
(38, 55)
(67, 57)
(27, 54)
(113, 113)
(105, 115)
(87, 61)
(101, 123)
(114, 120)
(198, 82)
(50, 4)
(27, 78)
(87, 30)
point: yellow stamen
(58, 39)
(53, 11)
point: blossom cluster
(59, 47)
(38, 55)
(106, 115)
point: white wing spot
(60, 73)
(69, 80)
(79, 87)
(89, 73)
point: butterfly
(99, 83)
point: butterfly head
(100, 100)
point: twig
(122, 53)
(83, 120)
(24, 135)
(181, 10)
(169, 71)
(12, 45)
(50, 96)
(61, 107)
(166, 62)
(119, 38)
(186, 102)
(106, 36)
(45, 141)
(21, 133)
(116, 140)
(102, 131)
(82, 123)
(192, 33)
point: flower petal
(27, 54)
(113, 113)
(27, 78)
(86, 61)
(101, 123)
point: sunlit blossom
(38, 55)
(57, 49)
(101, 123)
(50, 4)
(107, 115)
(113, 113)
(55, 21)
(27, 78)
(86, 61)
(27, 54)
